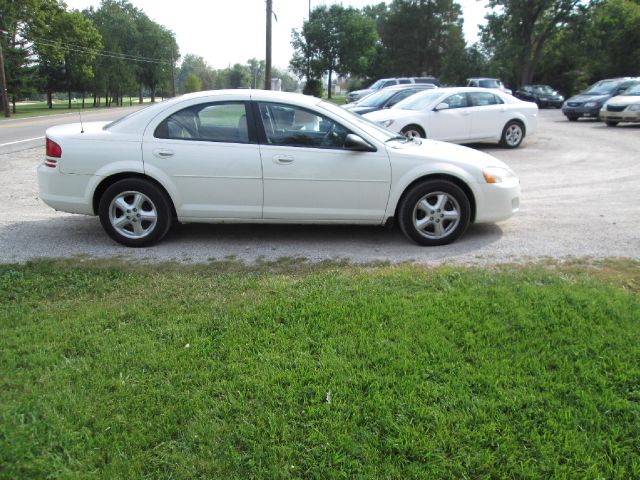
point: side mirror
(357, 144)
(441, 106)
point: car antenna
(81, 127)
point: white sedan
(462, 115)
(267, 157)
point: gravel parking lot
(580, 198)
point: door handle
(163, 153)
(282, 159)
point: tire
(611, 123)
(413, 131)
(512, 134)
(421, 206)
(135, 212)
(572, 118)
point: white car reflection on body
(255, 156)
(462, 115)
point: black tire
(611, 123)
(413, 131)
(572, 118)
(145, 222)
(512, 134)
(447, 218)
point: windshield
(601, 88)
(377, 84)
(544, 89)
(633, 90)
(374, 129)
(419, 101)
(490, 83)
(377, 98)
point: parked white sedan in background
(267, 157)
(462, 115)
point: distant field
(36, 109)
(283, 371)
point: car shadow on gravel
(78, 236)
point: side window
(400, 96)
(459, 100)
(212, 122)
(483, 99)
(388, 83)
(297, 127)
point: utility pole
(173, 75)
(267, 69)
(3, 79)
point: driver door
(308, 175)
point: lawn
(37, 109)
(330, 371)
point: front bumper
(550, 103)
(497, 201)
(624, 116)
(582, 111)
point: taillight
(53, 149)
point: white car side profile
(257, 156)
(462, 115)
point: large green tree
(518, 30)
(196, 65)
(334, 39)
(433, 39)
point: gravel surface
(580, 198)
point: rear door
(488, 115)
(209, 155)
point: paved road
(23, 133)
(580, 198)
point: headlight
(386, 123)
(634, 108)
(592, 104)
(498, 175)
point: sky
(228, 32)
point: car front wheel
(434, 212)
(512, 134)
(611, 123)
(135, 212)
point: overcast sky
(228, 32)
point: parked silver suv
(485, 82)
(356, 95)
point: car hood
(588, 98)
(388, 114)
(363, 110)
(624, 100)
(433, 152)
(362, 92)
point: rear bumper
(64, 192)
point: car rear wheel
(434, 212)
(135, 212)
(413, 131)
(611, 123)
(512, 134)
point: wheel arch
(441, 176)
(110, 180)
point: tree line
(117, 49)
(564, 43)
(107, 52)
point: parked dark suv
(543, 95)
(588, 103)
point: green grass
(338, 100)
(332, 371)
(37, 109)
